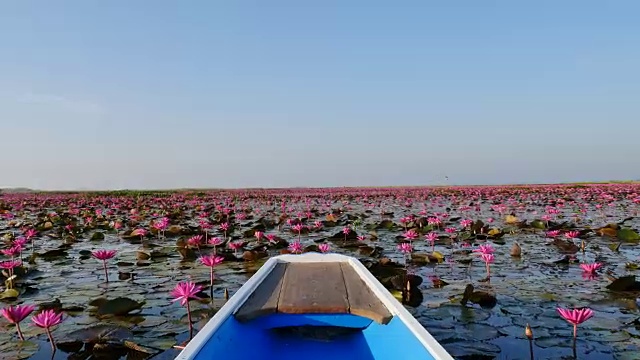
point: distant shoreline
(28, 191)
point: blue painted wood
(280, 320)
(248, 341)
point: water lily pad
(152, 321)
(118, 306)
(628, 235)
(97, 236)
(9, 294)
(101, 333)
(473, 350)
(18, 350)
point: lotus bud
(528, 332)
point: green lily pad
(101, 333)
(119, 306)
(538, 224)
(9, 294)
(628, 235)
(18, 350)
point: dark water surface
(528, 289)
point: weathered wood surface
(314, 288)
(264, 300)
(362, 301)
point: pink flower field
(133, 274)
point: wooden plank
(362, 301)
(264, 300)
(316, 288)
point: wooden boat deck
(313, 288)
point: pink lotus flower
(30, 233)
(346, 230)
(361, 238)
(295, 247)
(405, 248)
(575, 317)
(553, 233)
(324, 248)
(258, 234)
(466, 223)
(15, 314)
(184, 292)
(215, 241)
(484, 249)
(10, 264)
(487, 258)
(46, 320)
(139, 232)
(271, 238)
(236, 245)
(195, 241)
(20, 242)
(572, 235)
(431, 238)
(410, 235)
(205, 225)
(211, 261)
(591, 268)
(104, 255)
(317, 225)
(12, 251)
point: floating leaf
(494, 232)
(118, 306)
(9, 294)
(18, 350)
(607, 231)
(101, 333)
(438, 256)
(625, 283)
(97, 236)
(628, 235)
(511, 219)
(538, 224)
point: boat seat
(313, 288)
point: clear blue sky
(166, 94)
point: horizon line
(26, 189)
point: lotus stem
(11, 278)
(529, 334)
(211, 281)
(19, 331)
(575, 337)
(106, 273)
(53, 344)
(189, 320)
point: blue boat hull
(263, 338)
